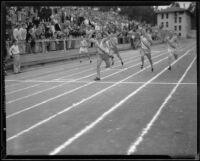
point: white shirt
(14, 49)
(16, 34)
(86, 21)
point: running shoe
(176, 56)
(97, 79)
(170, 68)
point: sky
(181, 5)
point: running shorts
(83, 50)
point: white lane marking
(68, 81)
(90, 126)
(133, 147)
(75, 104)
(68, 92)
(62, 72)
(111, 82)
(130, 60)
(7, 93)
(55, 80)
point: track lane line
(21, 89)
(66, 82)
(133, 147)
(80, 65)
(90, 126)
(74, 105)
(73, 90)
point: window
(175, 19)
(166, 15)
(162, 24)
(166, 24)
(175, 14)
(179, 34)
(179, 27)
(180, 18)
(175, 28)
(162, 16)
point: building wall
(185, 22)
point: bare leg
(150, 60)
(88, 55)
(99, 61)
(80, 57)
(120, 58)
(169, 62)
(142, 58)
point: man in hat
(15, 53)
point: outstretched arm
(89, 37)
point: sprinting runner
(145, 48)
(84, 49)
(172, 45)
(102, 51)
(112, 43)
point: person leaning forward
(15, 53)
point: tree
(192, 9)
(140, 13)
(175, 4)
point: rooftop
(172, 9)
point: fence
(51, 45)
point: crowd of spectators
(29, 24)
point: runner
(112, 43)
(102, 51)
(172, 45)
(84, 49)
(145, 50)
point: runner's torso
(84, 43)
(145, 44)
(172, 43)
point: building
(176, 19)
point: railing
(50, 45)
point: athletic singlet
(113, 42)
(84, 43)
(172, 43)
(145, 44)
(100, 45)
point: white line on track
(82, 101)
(77, 66)
(68, 81)
(68, 92)
(90, 126)
(109, 82)
(133, 147)
(63, 77)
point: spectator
(16, 33)
(15, 53)
(23, 38)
